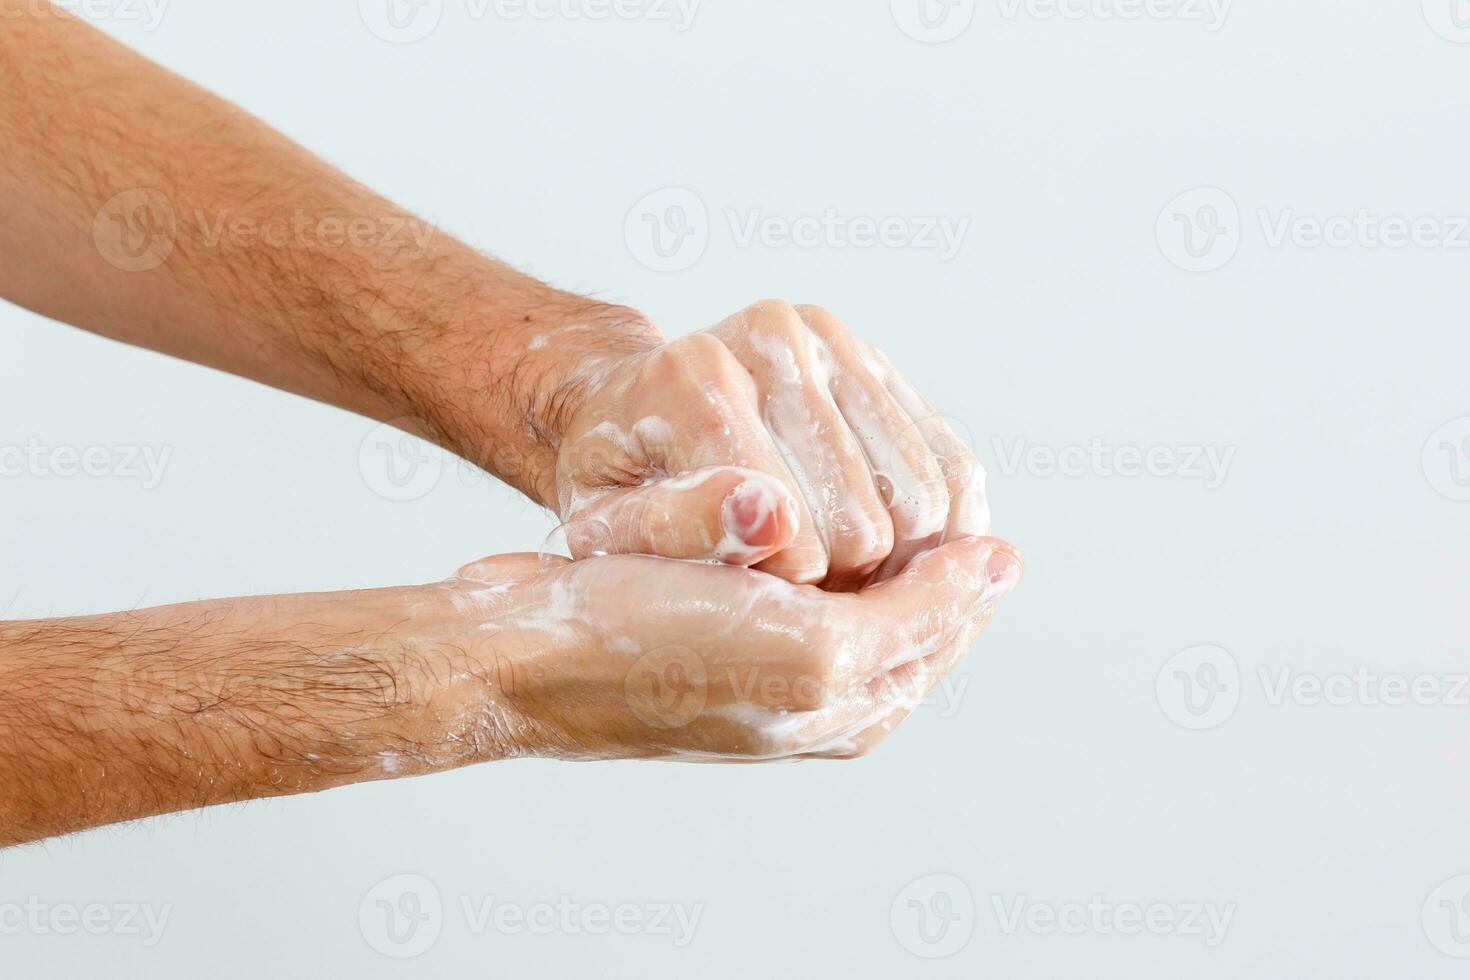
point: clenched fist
(775, 439)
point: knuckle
(970, 470)
(962, 463)
(806, 563)
(924, 509)
(965, 472)
(821, 320)
(695, 349)
(864, 545)
(771, 312)
(873, 360)
(646, 519)
(781, 321)
(946, 442)
(588, 537)
(692, 363)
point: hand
(795, 448)
(632, 657)
(775, 439)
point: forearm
(143, 208)
(116, 717)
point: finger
(770, 733)
(941, 592)
(846, 645)
(818, 445)
(717, 424)
(908, 474)
(908, 687)
(885, 702)
(969, 511)
(723, 514)
(899, 694)
(747, 444)
(856, 743)
(776, 659)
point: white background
(1070, 763)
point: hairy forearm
(110, 718)
(141, 207)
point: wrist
(565, 365)
(453, 346)
(484, 689)
(509, 384)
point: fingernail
(749, 514)
(1003, 574)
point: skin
(110, 718)
(861, 474)
(144, 209)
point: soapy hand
(776, 440)
(634, 657)
(625, 657)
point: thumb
(724, 514)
